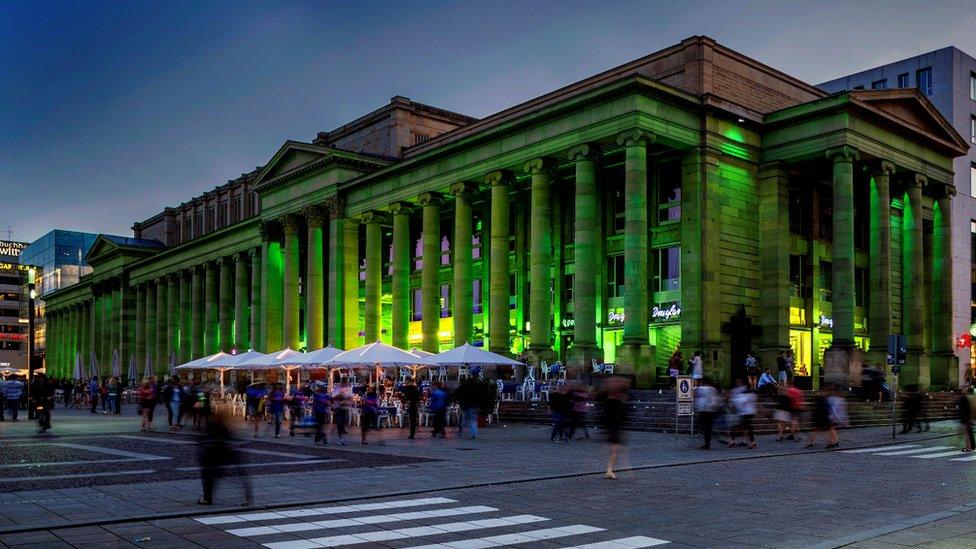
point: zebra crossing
(917, 451)
(434, 523)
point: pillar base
(842, 365)
(579, 361)
(943, 371)
(636, 360)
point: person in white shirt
(697, 370)
(745, 405)
(707, 403)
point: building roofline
(396, 102)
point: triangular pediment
(106, 246)
(910, 108)
(290, 157)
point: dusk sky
(111, 111)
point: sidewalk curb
(196, 512)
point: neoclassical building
(693, 198)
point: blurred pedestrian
(13, 389)
(147, 403)
(368, 415)
(254, 400)
(745, 405)
(966, 409)
(674, 368)
(613, 417)
(296, 408)
(707, 402)
(752, 369)
(276, 406)
(437, 404)
(118, 396)
(93, 394)
(579, 400)
(341, 401)
(42, 394)
(217, 456)
(911, 406)
(411, 398)
(559, 407)
(696, 368)
(837, 408)
(321, 402)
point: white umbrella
(171, 367)
(116, 363)
(202, 362)
(314, 359)
(216, 361)
(148, 369)
(379, 355)
(422, 354)
(79, 370)
(93, 365)
(469, 355)
(133, 372)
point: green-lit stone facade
(614, 220)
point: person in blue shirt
(13, 389)
(255, 394)
(276, 405)
(321, 402)
(296, 407)
(93, 393)
(437, 403)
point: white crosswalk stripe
(941, 454)
(364, 525)
(916, 451)
(913, 451)
(879, 449)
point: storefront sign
(11, 248)
(657, 313)
(11, 337)
(614, 317)
(568, 322)
(826, 322)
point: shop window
(445, 251)
(669, 193)
(476, 296)
(826, 281)
(667, 273)
(445, 300)
(568, 289)
(797, 280)
(418, 304)
(861, 285)
(615, 276)
(923, 80)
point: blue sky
(110, 111)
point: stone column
(336, 266)
(255, 314)
(350, 285)
(944, 364)
(372, 315)
(225, 304)
(241, 339)
(634, 356)
(50, 338)
(173, 317)
(400, 316)
(462, 256)
(198, 313)
(211, 300)
(114, 322)
(842, 268)
(879, 255)
(162, 323)
(105, 328)
(272, 291)
(291, 309)
(540, 260)
(140, 325)
(150, 325)
(586, 233)
(498, 287)
(315, 285)
(430, 285)
(774, 260)
(916, 369)
(186, 313)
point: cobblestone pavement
(512, 486)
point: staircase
(655, 411)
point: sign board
(685, 408)
(685, 390)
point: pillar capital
(584, 151)
(400, 208)
(373, 216)
(462, 189)
(315, 215)
(336, 206)
(635, 137)
(845, 153)
(776, 168)
(254, 253)
(881, 167)
(430, 199)
(539, 165)
(238, 256)
(290, 223)
(918, 180)
(942, 190)
(499, 178)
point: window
(859, 87)
(224, 206)
(418, 137)
(797, 280)
(826, 214)
(187, 228)
(198, 225)
(238, 213)
(861, 286)
(972, 128)
(669, 194)
(615, 276)
(418, 304)
(667, 274)
(972, 86)
(211, 219)
(879, 84)
(476, 296)
(568, 289)
(923, 80)
(445, 300)
(903, 80)
(617, 196)
(476, 245)
(972, 181)
(418, 253)
(445, 251)
(799, 211)
(826, 281)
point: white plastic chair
(463, 372)
(524, 390)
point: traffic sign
(685, 408)
(685, 390)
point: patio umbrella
(227, 362)
(279, 359)
(116, 363)
(93, 365)
(171, 367)
(422, 354)
(202, 362)
(469, 355)
(133, 372)
(217, 361)
(378, 355)
(313, 359)
(79, 370)
(148, 369)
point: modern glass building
(692, 199)
(13, 324)
(59, 260)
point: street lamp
(31, 295)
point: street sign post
(685, 396)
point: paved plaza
(99, 482)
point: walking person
(254, 398)
(118, 396)
(147, 403)
(341, 400)
(276, 406)
(559, 406)
(437, 404)
(3, 399)
(217, 456)
(109, 403)
(966, 408)
(13, 389)
(707, 402)
(697, 369)
(795, 397)
(411, 398)
(782, 368)
(296, 408)
(93, 393)
(468, 397)
(613, 416)
(752, 369)
(173, 397)
(368, 415)
(745, 406)
(42, 393)
(837, 409)
(578, 397)
(321, 402)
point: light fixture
(741, 120)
